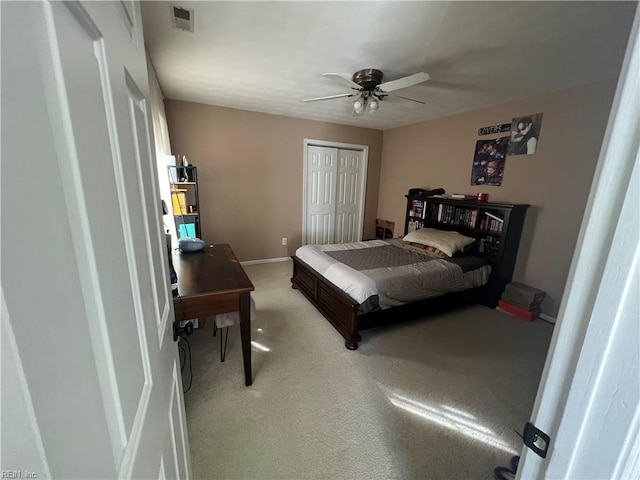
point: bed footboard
(342, 311)
(339, 308)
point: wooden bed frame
(342, 311)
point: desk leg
(245, 335)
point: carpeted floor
(438, 398)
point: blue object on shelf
(187, 230)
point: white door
(334, 192)
(84, 266)
(349, 182)
(322, 164)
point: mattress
(381, 274)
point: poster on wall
(525, 132)
(488, 161)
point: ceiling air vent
(182, 18)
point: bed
(364, 284)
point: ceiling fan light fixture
(358, 106)
(368, 89)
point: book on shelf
(494, 216)
(417, 207)
(452, 214)
(492, 222)
(490, 245)
(179, 203)
(491, 225)
(473, 218)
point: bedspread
(380, 274)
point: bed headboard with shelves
(497, 228)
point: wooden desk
(212, 282)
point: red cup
(482, 197)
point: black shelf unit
(185, 200)
(497, 228)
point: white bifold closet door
(334, 198)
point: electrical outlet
(284, 240)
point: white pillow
(445, 241)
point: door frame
(585, 375)
(363, 182)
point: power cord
(182, 335)
(183, 362)
(508, 473)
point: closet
(334, 192)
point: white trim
(598, 415)
(10, 338)
(129, 456)
(266, 260)
(363, 182)
(126, 17)
(610, 186)
(161, 474)
(137, 101)
(325, 143)
(548, 318)
(156, 219)
(628, 465)
(182, 420)
(175, 393)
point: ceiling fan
(369, 89)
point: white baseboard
(266, 260)
(546, 317)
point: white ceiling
(268, 56)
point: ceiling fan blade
(404, 82)
(342, 95)
(344, 81)
(394, 96)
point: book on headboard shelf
(492, 222)
(494, 216)
(417, 209)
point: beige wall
(555, 181)
(250, 173)
(250, 169)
